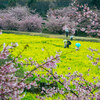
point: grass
(77, 38)
(42, 47)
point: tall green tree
(96, 3)
(12, 3)
(31, 2)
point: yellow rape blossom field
(39, 48)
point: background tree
(42, 6)
(30, 2)
(96, 3)
(12, 2)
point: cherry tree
(81, 17)
(54, 22)
(87, 19)
(20, 18)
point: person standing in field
(66, 30)
(0, 31)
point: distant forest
(42, 6)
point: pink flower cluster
(20, 18)
(12, 86)
(76, 17)
(95, 59)
(31, 23)
(59, 18)
(73, 86)
(87, 19)
(5, 52)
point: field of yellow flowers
(41, 47)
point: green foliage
(42, 6)
(2, 61)
(12, 3)
(29, 96)
(30, 2)
(96, 3)
(2, 6)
